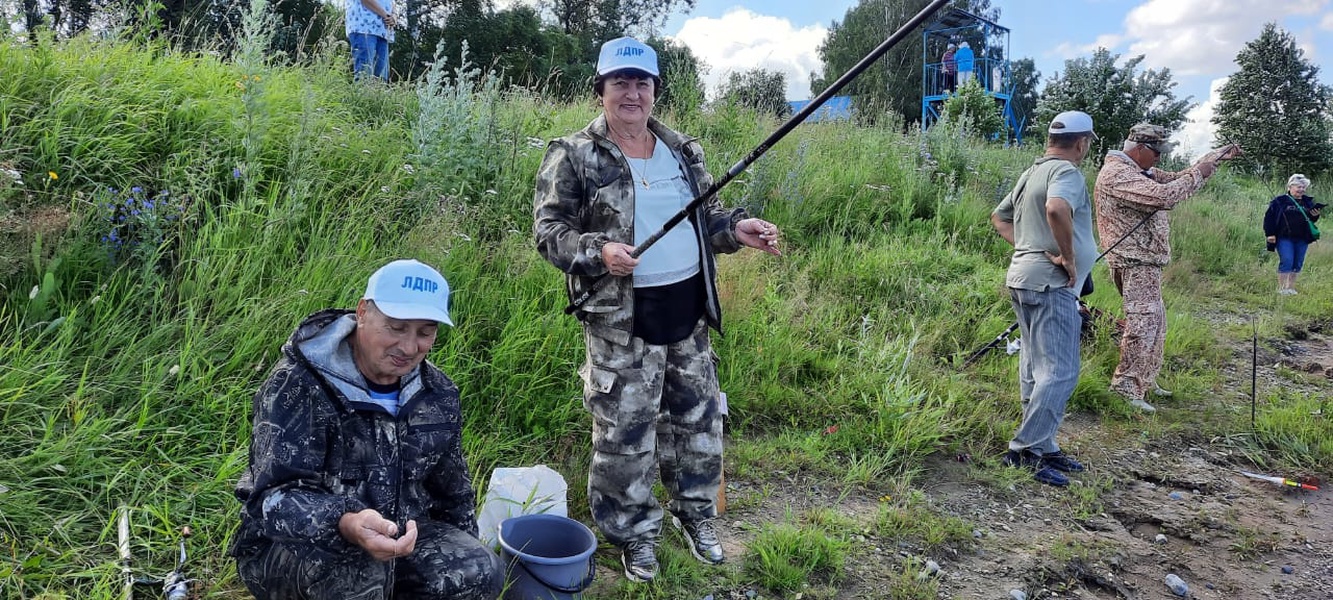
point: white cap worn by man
(408, 290)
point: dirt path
(1172, 505)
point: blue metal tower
(988, 42)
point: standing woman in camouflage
(600, 192)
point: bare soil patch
(1144, 509)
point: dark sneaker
(1033, 462)
(640, 561)
(1161, 392)
(1061, 462)
(701, 537)
(1021, 460)
(1050, 476)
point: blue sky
(1196, 39)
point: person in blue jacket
(1289, 225)
(966, 63)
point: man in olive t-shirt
(1048, 219)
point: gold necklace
(643, 173)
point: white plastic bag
(515, 491)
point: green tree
(760, 89)
(607, 19)
(894, 83)
(682, 76)
(976, 110)
(1114, 96)
(1275, 107)
(1023, 81)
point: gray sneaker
(701, 537)
(640, 560)
(1143, 406)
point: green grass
(130, 383)
(783, 558)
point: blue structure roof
(838, 108)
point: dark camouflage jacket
(585, 198)
(319, 449)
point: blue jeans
(1048, 364)
(370, 53)
(1290, 255)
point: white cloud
(742, 40)
(1195, 138)
(1202, 37)
(1068, 50)
(1326, 22)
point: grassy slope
(296, 185)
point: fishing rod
(763, 147)
(1004, 335)
(175, 585)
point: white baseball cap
(410, 289)
(627, 53)
(1071, 121)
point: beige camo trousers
(1144, 340)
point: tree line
(1274, 105)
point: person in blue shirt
(966, 63)
(370, 25)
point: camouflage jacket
(585, 198)
(1126, 195)
(319, 449)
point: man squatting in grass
(370, 25)
(1047, 217)
(1133, 197)
(357, 486)
(650, 380)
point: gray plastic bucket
(547, 557)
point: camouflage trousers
(653, 407)
(447, 564)
(1144, 340)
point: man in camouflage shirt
(1132, 197)
(357, 486)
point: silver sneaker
(640, 560)
(701, 537)
(1143, 406)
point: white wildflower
(95, 300)
(174, 371)
(33, 294)
(409, 168)
(384, 189)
